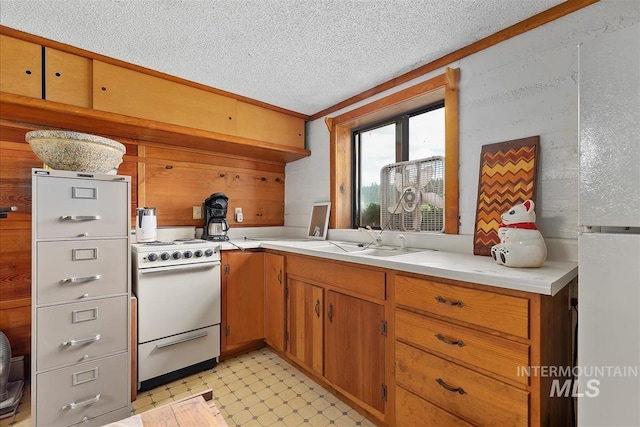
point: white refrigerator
(609, 245)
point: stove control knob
(208, 252)
(187, 254)
(152, 257)
(177, 255)
(198, 253)
(165, 256)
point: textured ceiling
(300, 55)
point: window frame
(401, 150)
(441, 87)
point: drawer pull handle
(446, 386)
(330, 313)
(74, 405)
(81, 279)
(194, 337)
(445, 340)
(80, 217)
(73, 343)
(442, 300)
(317, 308)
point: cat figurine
(521, 244)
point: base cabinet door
(242, 298)
(354, 347)
(305, 324)
(274, 309)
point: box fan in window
(412, 195)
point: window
(414, 135)
(440, 88)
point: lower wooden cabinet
(354, 348)
(454, 365)
(274, 301)
(242, 299)
(305, 322)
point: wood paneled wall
(169, 179)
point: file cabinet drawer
(494, 354)
(75, 332)
(66, 396)
(483, 308)
(73, 208)
(69, 270)
(460, 391)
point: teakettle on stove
(146, 224)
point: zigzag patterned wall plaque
(507, 177)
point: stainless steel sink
(388, 252)
(351, 248)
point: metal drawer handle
(330, 313)
(80, 217)
(81, 279)
(72, 343)
(459, 343)
(74, 405)
(442, 300)
(280, 277)
(446, 386)
(317, 308)
(195, 337)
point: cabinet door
(68, 78)
(242, 297)
(305, 324)
(262, 124)
(274, 310)
(128, 92)
(20, 67)
(354, 347)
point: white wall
(522, 87)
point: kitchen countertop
(546, 280)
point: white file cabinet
(81, 284)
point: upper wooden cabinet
(259, 123)
(120, 90)
(20, 67)
(68, 78)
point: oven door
(177, 299)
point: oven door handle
(193, 337)
(179, 267)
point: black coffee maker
(215, 217)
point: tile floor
(253, 389)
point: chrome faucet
(403, 241)
(377, 240)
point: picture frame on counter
(319, 221)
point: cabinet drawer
(412, 410)
(488, 309)
(162, 356)
(68, 270)
(460, 391)
(492, 353)
(354, 279)
(72, 208)
(66, 396)
(67, 333)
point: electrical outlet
(197, 212)
(238, 215)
